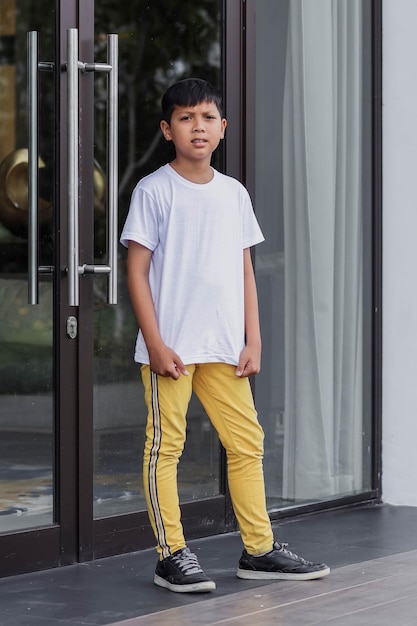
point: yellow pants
(228, 402)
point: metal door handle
(33, 167)
(33, 159)
(75, 270)
(72, 125)
(112, 165)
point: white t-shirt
(197, 234)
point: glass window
(158, 44)
(26, 332)
(313, 198)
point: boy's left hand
(249, 362)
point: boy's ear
(224, 124)
(166, 130)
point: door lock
(72, 327)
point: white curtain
(322, 154)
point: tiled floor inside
(371, 549)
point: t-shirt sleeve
(141, 224)
(252, 233)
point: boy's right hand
(165, 362)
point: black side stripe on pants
(153, 462)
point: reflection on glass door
(26, 333)
(158, 44)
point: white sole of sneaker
(208, 585)
(254, 575)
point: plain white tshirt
(197, 234)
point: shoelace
(283, 548)
(187, 562)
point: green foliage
(159, 42)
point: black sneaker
(281, 564)
(182, 573)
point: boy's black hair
(189, 92)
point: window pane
(158, 44)
(313, 146)
(26, 332)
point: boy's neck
(199, 173)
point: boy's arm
(163, 360)
(250, 357)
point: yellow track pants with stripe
(229, 404)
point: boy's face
(196, 131)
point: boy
(189, 231)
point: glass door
(27, 277)
(47, 196)
(158, 44)
(71, 407)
